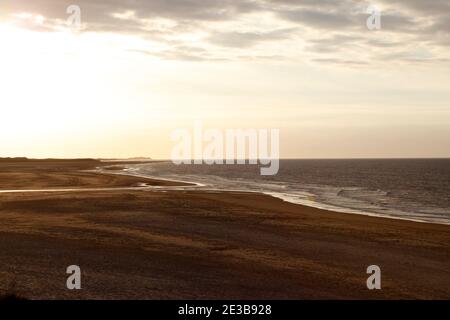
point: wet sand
(140, 244)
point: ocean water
(412, 189)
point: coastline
(131, 171)
(192, 244)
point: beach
(137, 243)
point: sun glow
(58, 87)
(134, 74)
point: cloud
(323, 31)
(318, 19)
(248, 39)
(421, 7)
(344, 62)
(100, 11)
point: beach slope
(140, 244)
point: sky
(134, 71)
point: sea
(410, 189)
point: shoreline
(154, 183)
(316, 205)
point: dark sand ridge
(41, 174)
(195, 244)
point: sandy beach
(150, 244)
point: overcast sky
(137, 70)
